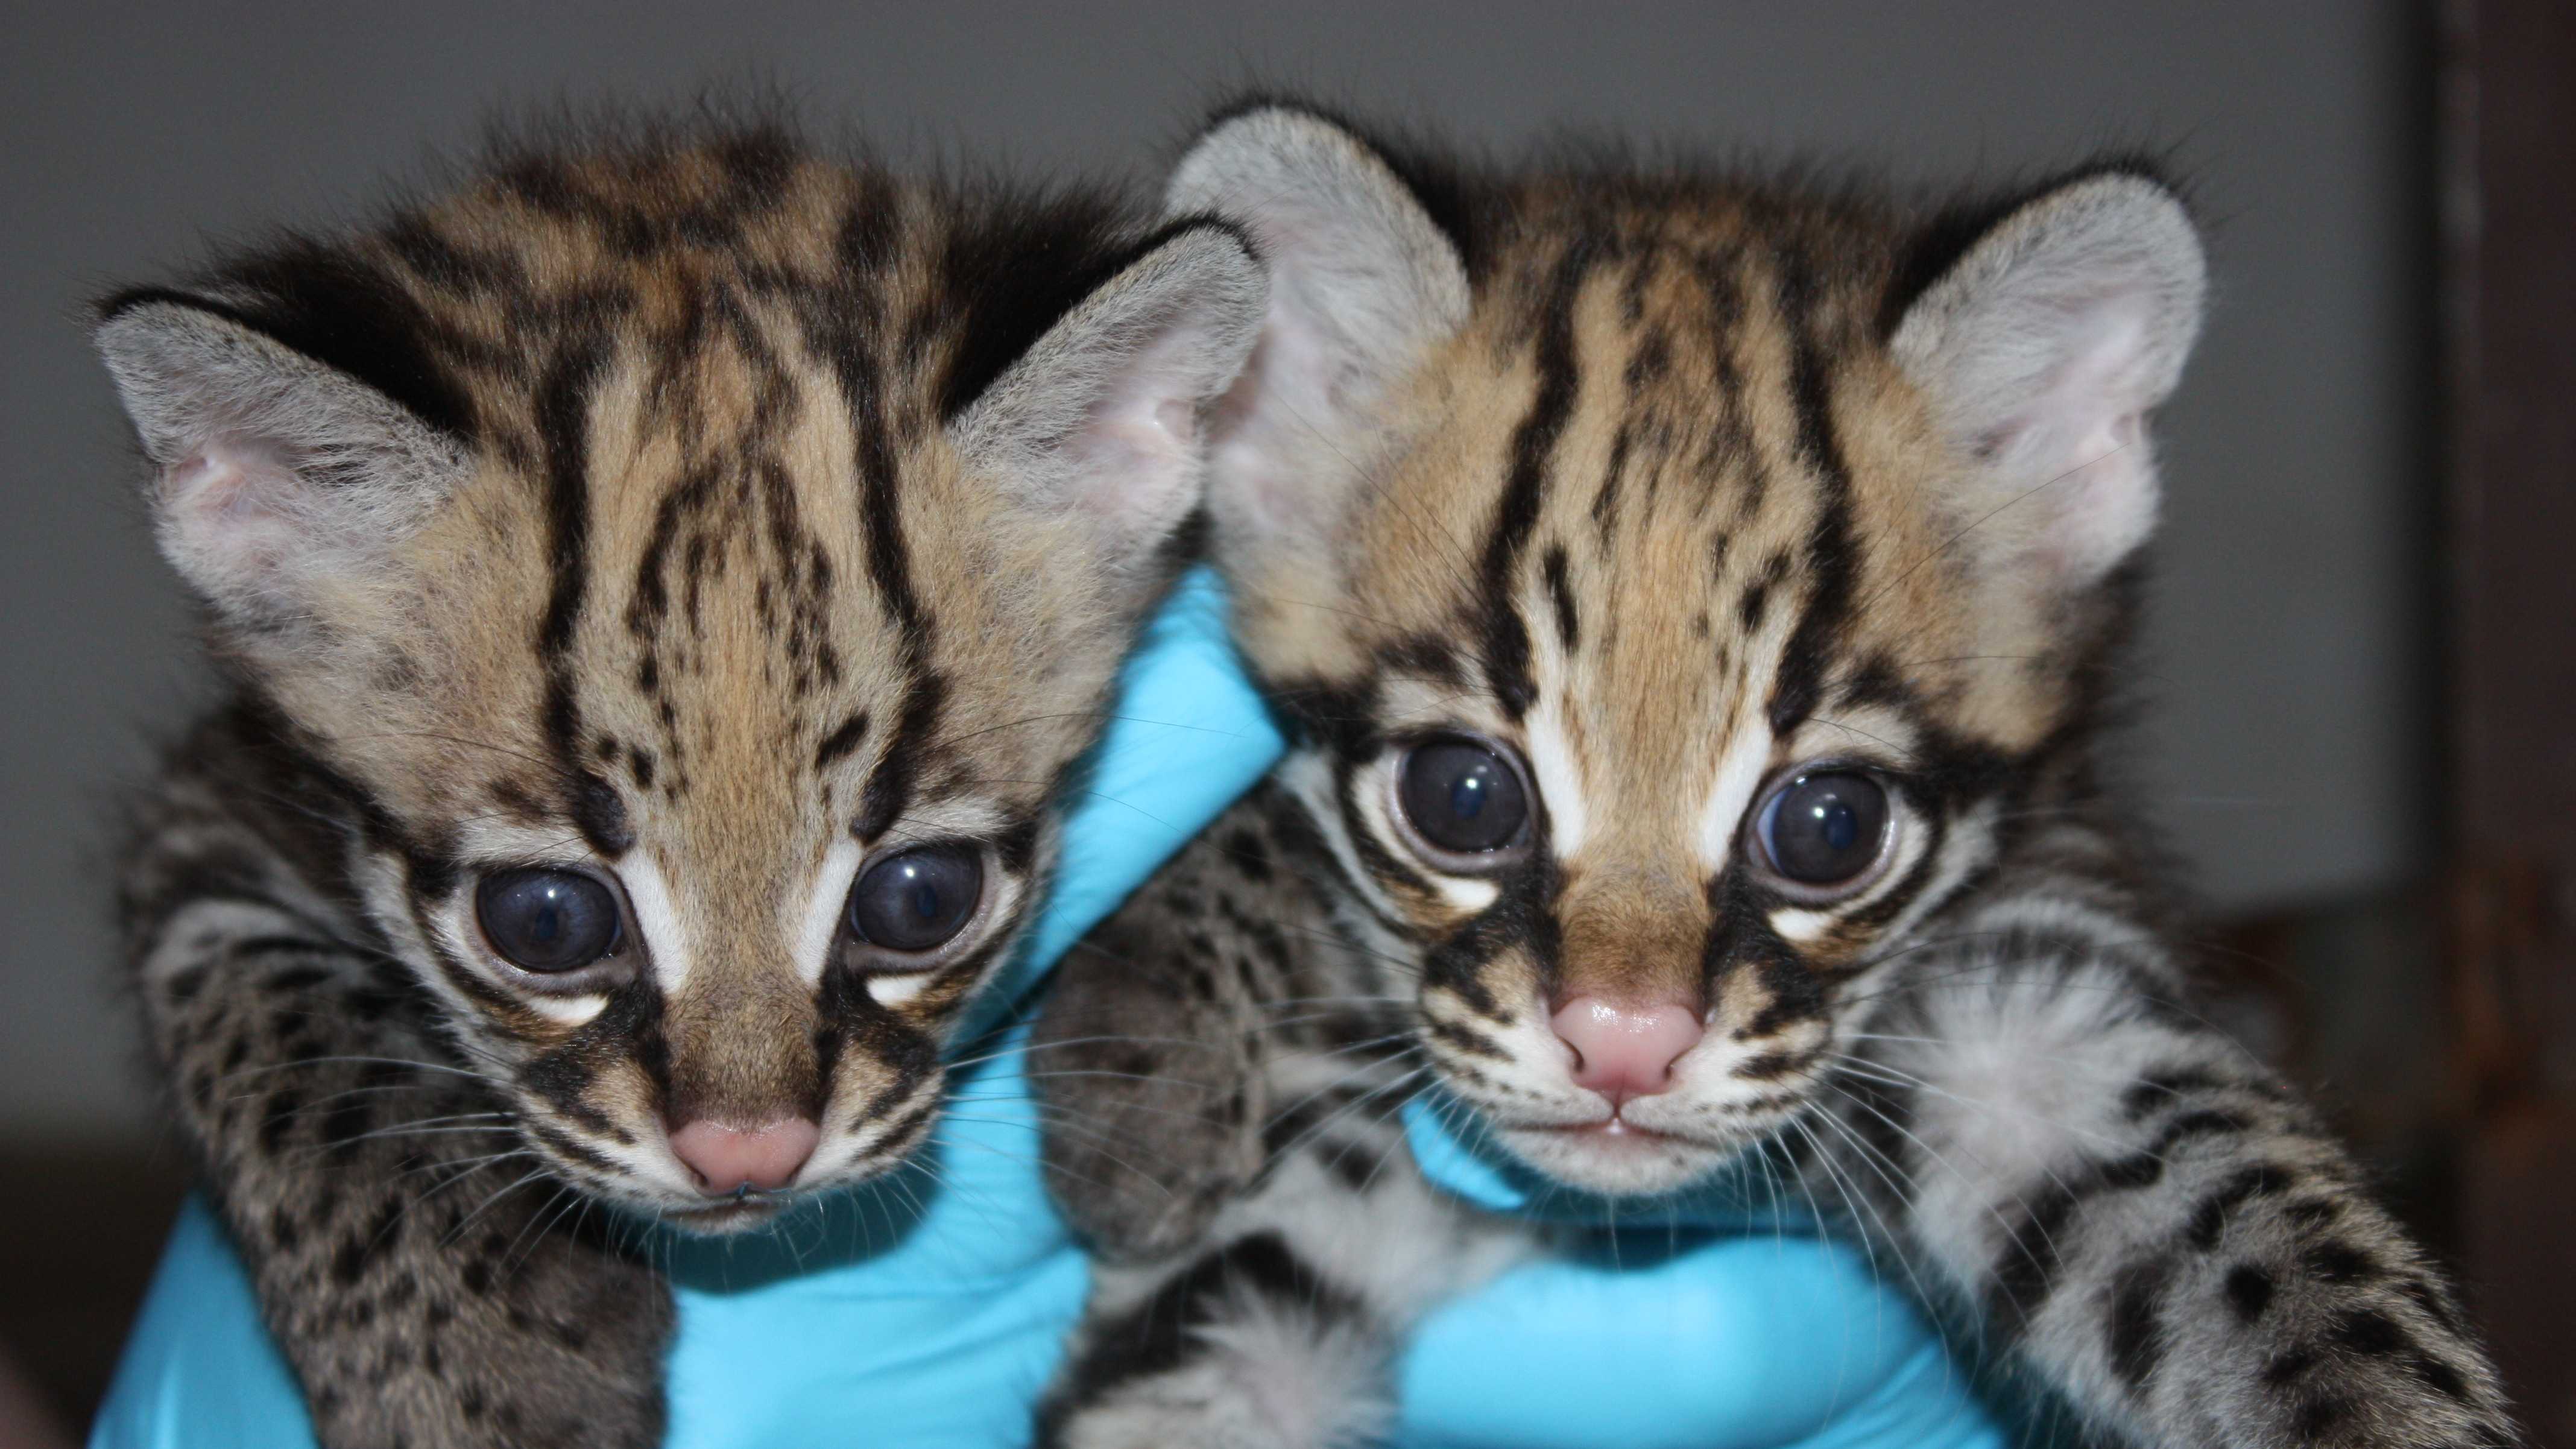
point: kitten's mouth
(745, 1209)
(1614, 1129)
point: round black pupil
(917, 900)
(547, 920)
(1828, 828)
(1462, 797)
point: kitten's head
(699, 566)
(1678, 581)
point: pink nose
(728, 1159)
(1624, 1051)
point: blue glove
(931, 1310)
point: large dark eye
(1825, 829)
(1462, 797)
(547, 921)
(919, 900)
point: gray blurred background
(2287, 743)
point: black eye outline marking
(1761, 827)
(1449, 861)
(858, 949)
(582, 971)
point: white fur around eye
(657, 920)
(824, 908)
(1557, 778)
(1740, 772)
(1464, 894)
(1798, 924)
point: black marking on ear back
(338, 309)
(1560, 594)
(1943, 242)
(1533, 449)
(844, 738)
(996, 303)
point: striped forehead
(1650, 439)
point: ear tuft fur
(1363, 284)
(2042, 348)
(1103, 421)
(273, 472)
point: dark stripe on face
(1740, 937)
(843, 739)
(852, 1019)
(890, 786)
(1605, 503)
(1506, 638)
(1560, 594)
(628, 1027)
(601, 815)
(1462, 961)
(563, 422)
(1831, 553)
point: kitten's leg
(1144, 1060)
(1281, 1327)
(2150, 1221)
(426, 1283)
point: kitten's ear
(2042, 349)
(1363, 283)
(1102, 423)
(276, 478)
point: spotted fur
(1669, 485)
(680, 507)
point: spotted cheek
(1491, 1047)
(1768, 1036)
(597, 1124)
(879, 1111)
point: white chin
(1615, 1159)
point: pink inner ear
(226, 519)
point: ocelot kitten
(665, 582)
(1696, 598)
